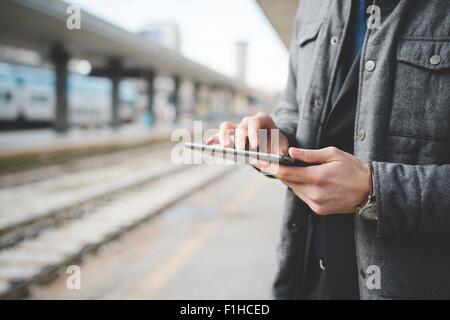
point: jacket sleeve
(286, 115)
(412, 201)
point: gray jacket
(402, 127)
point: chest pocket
(421, 99)
(308, 33)
(306, 46)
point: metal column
(115, 101)
(115, 75)
(176, 97)
(60, 59)
(150, 115)
(197, 98)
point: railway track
(29, 208)
(47, 224)
(14, 179)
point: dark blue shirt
(360, 28)
(352, 47)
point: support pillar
(115, 101)
(197, 98)
(115, 68)
(60, 60)
(150, 114)
(176, 97)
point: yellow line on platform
(171, 266)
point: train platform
(224, 215)
(217, 243)
(32, 149)
(23, 143)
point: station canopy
(281, 14)
(41, 24)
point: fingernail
(253, 143)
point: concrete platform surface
(219, 243)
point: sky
(210, 30)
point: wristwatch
(368, 209)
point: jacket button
(370, 65)
(317, 103)
(361, 135)
(334, 40)
(435, 60)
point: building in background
(241, 60)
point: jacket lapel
(350, 81)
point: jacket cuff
(383, 228)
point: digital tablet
(217, 150)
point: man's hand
(338, 184)
(251, 129)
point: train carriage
(27, 97)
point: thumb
(314, 156)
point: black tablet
(230, 153)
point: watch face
(369, 212)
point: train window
(39, 99)
(6, 97)
(20, 82)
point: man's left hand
(337, 184)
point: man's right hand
(236, 135)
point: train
(27, 98)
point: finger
(260, 121)
(241, 134)
(254, 127)
(266, 167)
(265, 120)
(212, 139)
(225, 131)
(306, 175)
(315, 156)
